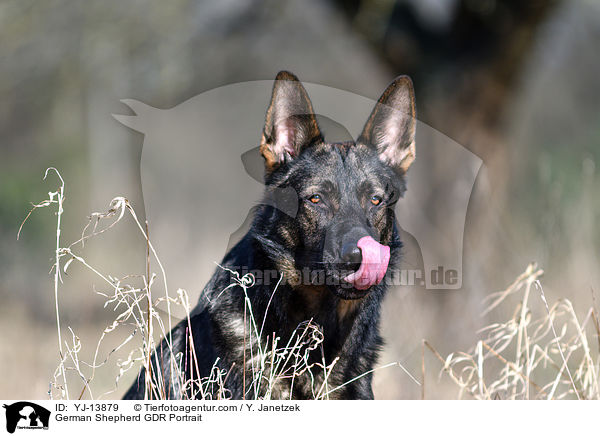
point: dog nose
(351, 256)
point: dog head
(343, 232)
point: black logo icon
(26, 415)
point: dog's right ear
(290, 125)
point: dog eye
(376, 200)
(315, 198)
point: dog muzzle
(375, 260)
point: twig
(539, 286)
(513, 367)
(148, 393)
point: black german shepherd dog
(328, 210)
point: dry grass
(541, 352)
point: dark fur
(290, 233)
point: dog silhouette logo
(26, 415)
(174, 170)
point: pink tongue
(375, 259)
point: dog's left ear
(290, 125)
(391, 127)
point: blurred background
(516, 83)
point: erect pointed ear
(290, 125)
(391, 127)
